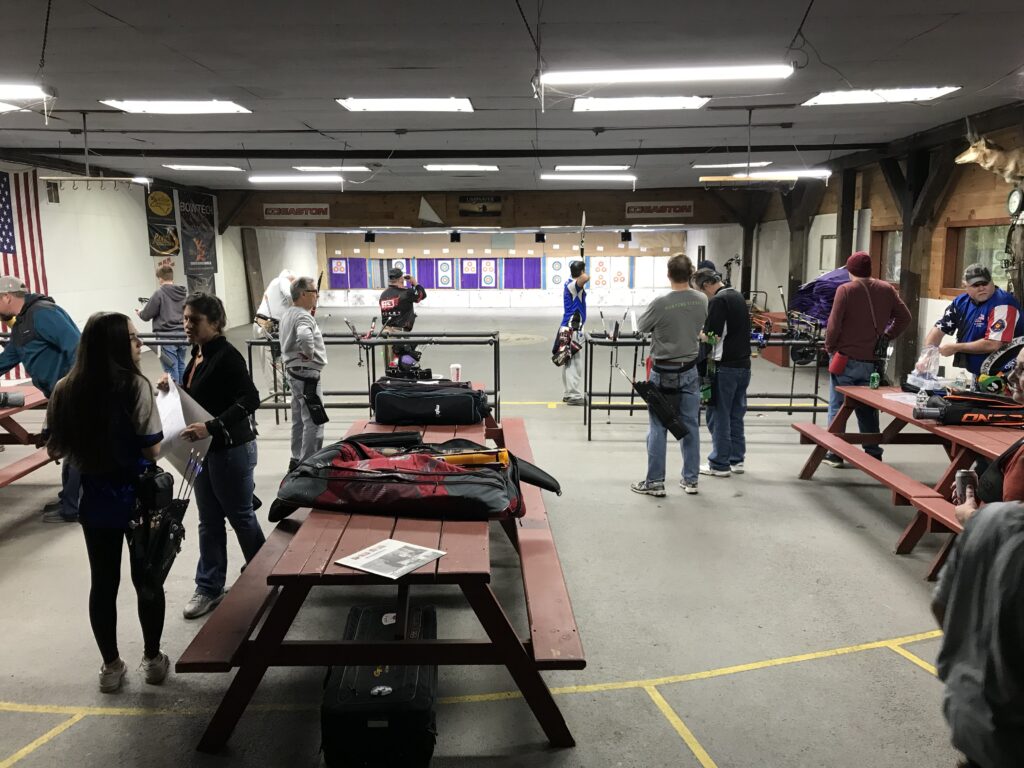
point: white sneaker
(737, 469)
(690, 488)
(200, 605)
(707, 469)
(112, 676)
(155, 669)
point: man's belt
(672, 366)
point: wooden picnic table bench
(15, 434)
(302, 554)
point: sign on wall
(198, 215)
(479, 205)
(297, 211)
(659, 209)
(162, 220)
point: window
(892, 253)
(970, 245)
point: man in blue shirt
(44, 339)
(983, 319)
(574, 300)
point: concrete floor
(708, 598)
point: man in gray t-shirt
(674, 321)
(980, 604)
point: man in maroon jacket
(864, 309)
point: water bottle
(922, 398)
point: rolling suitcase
(381, 716)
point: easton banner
(660, 209)
(297, 211)
(198, 215)
(162, 220)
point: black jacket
(396, 306)
(729, 320)
(223, 387)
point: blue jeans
(71, 491)
(725, 417)
(224, 490)
(857, 373)
(173, 361)
(689, 407)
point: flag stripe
(41, 262)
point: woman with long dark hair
(102, 417)
(217, 379)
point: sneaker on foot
(707, 469)
(200, 605)
(575, 401)
(112, 676)
(833, 460)
(690, 488)
(648, 489)
(737, 469)
(155, 669)
(50, 506)
(57, 516)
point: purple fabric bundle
(815, 298)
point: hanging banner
(161, 218)
(297, 211)
(479, 205)
(198, 232)
(659, 209)
(488, 273)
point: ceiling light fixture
(305, 178)
(638, 103)
(175, 167)
(407, 105)
(668, 75)
(879, 96)
(806, 173)
(572, 168)
(4, 107)
(460, 167)
(23, 92)
(757, 164)
(159, 107)
(331, 168)
(588, 177)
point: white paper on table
(391, 558)
(907, 398)
(177, 411)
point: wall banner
(198, 214)
(660, 209)
(297, 211)
(162, 220)
(479, 205)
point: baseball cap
(974, 274)
(12, 285)
(395, 273)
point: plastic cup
(456, 372)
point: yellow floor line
(9, 706)
(914, 658)
(48, 736)
(685, 733)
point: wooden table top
(33, 399)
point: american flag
(21, 236)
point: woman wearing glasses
(102, 417)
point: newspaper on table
(391, 558)
(177, 411)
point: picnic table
(932, 503)
(301, 552)
(15, 434)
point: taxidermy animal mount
(1007, 163)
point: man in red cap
(864, 310)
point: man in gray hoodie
(165, 308)
(305, 355)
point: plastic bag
(928, 364)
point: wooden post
(844, 221)
(800, 205)
(253, 269)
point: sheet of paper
(907, 398)
(391, 558)
(177, 411)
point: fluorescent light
(637, 103)
(407, 105)
(458, 167)
(571, 168)
(331, 168)
(879, 96)
(202, 167)
(141, 180)
(305, 178)
(587, 177)
(668, 75)
(4, 107)
(757, 164)
(805, 173)
(23, 92)
(160, 107)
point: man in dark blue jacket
(43, 339)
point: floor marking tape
(914, 658)
(685, 733)
(33, 746)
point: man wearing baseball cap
(44, 339)
(983, 319)
(397, 300)
(864, 310)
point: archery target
(444, 273)
(600, 271)
(488, 273)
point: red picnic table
(16, 434)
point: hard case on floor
(381, 716)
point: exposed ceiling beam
(33, 160)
